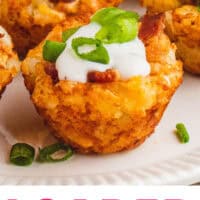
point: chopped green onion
(125, 29)
(130, 14)
(182, 133)
(67, 34)
(129, 28)
(109, 34)
(22, 154)
(118, 26)
(99, 55)
(105, 15)
(52, 49)
(109, 15)
(47, 153)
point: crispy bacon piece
(50, 69)
(109, 75)
(151, 26)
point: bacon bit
(109, 75)
(50, 70)
(151, 26)
(1, 35)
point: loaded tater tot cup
(103, 86)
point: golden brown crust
(108, 117)
(29, 21)
(183, 27)
(9, 64)
(151, 26)
(158, 6)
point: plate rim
(183, 170)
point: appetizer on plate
(29, 21)
(154, 6)
(183, 27)
(103, 86)
(9, 63)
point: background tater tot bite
(29, 21)
(155, 6)
(183, 27)
(9, 64)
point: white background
(100, 193)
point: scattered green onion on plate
(22, 154)
(55, 153)
(182, 133)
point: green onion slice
(124, 30)
(109, 34)
(52, 49)
(105, 15)
(68, 33)
(118, 26)
(22, 154)
(182, 133)
(47, 154)
(129, 29)
(109, 15)
(130, 14)
(99, 54)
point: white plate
(161, 160)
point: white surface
(160, 160)
(128, 58)
(101, 192)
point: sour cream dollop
(128, 58)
